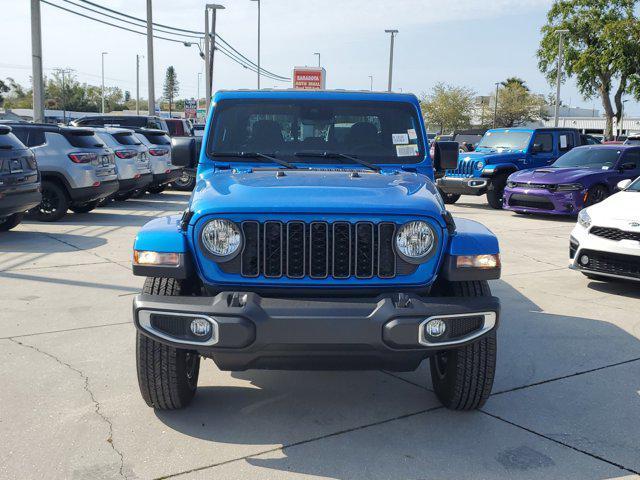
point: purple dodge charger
(579, 178)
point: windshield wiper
(364, 163)
(254, 155)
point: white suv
(605, 243)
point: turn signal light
(158, 152)
(145, 257)
(478, 261)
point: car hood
(491, 156)
(555, 175)
(620, 210)
(320, 191)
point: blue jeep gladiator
(315, 239)
(501, 152)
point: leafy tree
(515, 81)
(601, 50)
(171, 86)
(4, 88)
(449, 107)
(517, 105)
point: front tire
(495, 191)
(156, 189)
(10, 222)
(54, 205)
(596, 194)
(463, 377)
(167, 376)
(449, 198)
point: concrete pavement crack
(301, 442)
(589, 454)
(98, 409)
(35, 334)
(53, 237)
(407, 381)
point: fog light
(435, 328)
(584, 260)
(200, 327)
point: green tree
(517, 105)
(171, 86)
(448, 107)
(601, 50)
(4, 88)
(515, 81)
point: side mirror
(537, 148)
(628, 166)
(445, 156)
(184, 152)
(624, 184)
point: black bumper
(314, 334)
(19, 199)
(131, 184)
(89, 194)
(166, 178)
(462, 186)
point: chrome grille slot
(272, 249)
(319, 248)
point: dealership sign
(190, 108)
(309, 78)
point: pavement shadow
(625, 288)
(35, 242)
(106, 218)
(289, 408)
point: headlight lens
(584, 219)
(511, 184)
(414, 240)
(221, 237)
(570, 187)
(479, 165)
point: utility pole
(371, 82)
(210, 48)
(150, 79)
(198, 97)
(559, 73)
(318, 54)
(622, 119)
(103, 54)
(63, 98)
(258, 42)
(36, 63)
(138, 84)
(393, 35)
(495, 107)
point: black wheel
(449, 198)
(495, 190)
(121, 197)
(12, 221)
(55, 203)
(462, 377)
(84, 207)
(186, 182)
(596, 194)
(156, 189)
(167, 376)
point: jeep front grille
(318, 250)
(465, 168)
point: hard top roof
(294, 94)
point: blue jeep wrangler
(315, 238)
(501, 152)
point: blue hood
(492, 156)
(315, 191)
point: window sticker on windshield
(407, 150)
(412, 134)
(400, 138)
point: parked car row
(47, 170)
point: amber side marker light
(145, 257)
(478, 261)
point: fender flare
(497, 169)
(471, 238)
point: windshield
(601, 158)
(297, 130)
(509, 139)
(634, 187)
(632, 141)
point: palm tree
(515, 81)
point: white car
(605, 243)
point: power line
(222, 50)
(201, 34)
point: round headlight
(415, 240)
(221, 237)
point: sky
(469, 43)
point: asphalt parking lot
(565, 404)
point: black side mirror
(628, 166)
(445, 155)
(537, 148)
(184, 152)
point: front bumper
(251, 331)
(543, 201)
(166, 177)
(463, 185)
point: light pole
(36, 63)
(622, 118)
(318, 54)
(209, 47)
(393, 36)
(138, 83)
(559, 73)
(103, 54)
(258, 42)
(371, 82)
(495, 107)
(198, 97)
(150, 75)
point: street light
(371, 82)
(258, 42)
(103, 54)
(393, 35)
(318, 54)
(495, 107)
(560, 33)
